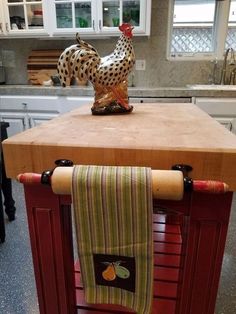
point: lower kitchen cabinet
(221, 109)
(69, 103)
(17, 122)
(36, 119)
(143, 100)
(24, 112)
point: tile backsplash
(159, 72)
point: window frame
(220, 30)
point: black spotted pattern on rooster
(82, 61)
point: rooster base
(108, 75)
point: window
(201, 28)
(231, 34)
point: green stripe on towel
(113, 218)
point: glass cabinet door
(111, 14)
(131, 12)
(116, 12)
(24, 15)
(73, 14)
(63, 14)
(83, 15)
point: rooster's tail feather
(63, 67)
(84, 44)
(79, 60)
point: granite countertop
(76, 91)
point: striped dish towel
(113, 218)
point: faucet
(224, 69)
(232, 77)
(212, 76)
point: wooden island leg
(206, 237)
(49, 219)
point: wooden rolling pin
(166, 184)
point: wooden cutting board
(155, 135)
(41, 65)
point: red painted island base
(189, 241)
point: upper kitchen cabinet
(114, 13)
(21, 18)
(69, 17)
(2, 21)
(100, 17)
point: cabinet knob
(24, 105)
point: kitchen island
(190, 234)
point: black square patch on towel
(115, 271)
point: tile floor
(17, 286)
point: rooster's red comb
(125, 26)
(126, 29)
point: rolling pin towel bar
(166, 184)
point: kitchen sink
(212, 87)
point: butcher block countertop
(155, 135)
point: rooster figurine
(108, 75)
